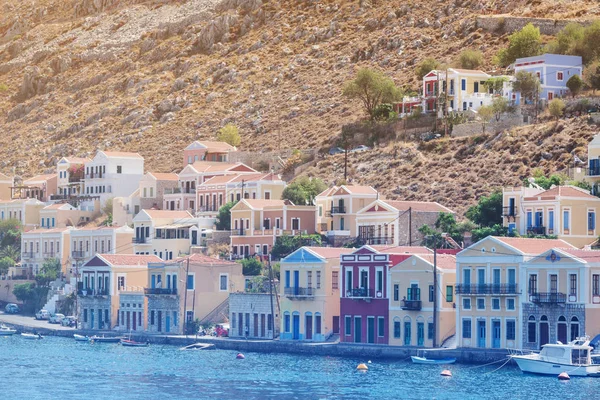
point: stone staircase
(219, 314)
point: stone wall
(168, 305)
(474, 128)
(6, 290)
(157, 202)
(508, 24)
(249, 304)
(553, 312)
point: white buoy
(563, 376)
(446, 372)
(369, 362)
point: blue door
(296, 327)
(153, 279)
(167, 324)
(496, 334)
(420, 333)
(357, 329)
(481, 333)
(296, 281)
(529, 219)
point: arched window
(531, 330)
(286, 321)
(397, 327)
(574, 328)
(407, 331)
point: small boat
(133, 343)
(199, 346)
(81, 338)
(31, 336)
(104, 339)
(6, 331)
(575, 358)
(424, 360)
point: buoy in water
(446, 372)
(369, 362)
(240, 356)
(362, 367)
(563, 376)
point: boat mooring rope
(485, 365)
(500, 367)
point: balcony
(411, 305)
(298, 292)
(78, 254)
(172, 190)
(141, 240)
(92, 292)
(595, 171)
(536, 230)
(50, 255)
(548, 298)
(160, 291)
(59, 197)
(509, 211)
(488, 289)
(360, 293)
(28, 255)
(336, 210)
(94, 175)
(208, 209)
(375, 240)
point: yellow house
(26, 211)
(412, 301)
(310, 288)
(490, 282)
(110, 292)
(60, 215)
(6, 183)
(465, 89)
(568, 212)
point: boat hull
(105, 339)
(8, 332)
(30, 336)
(547, 368)
(79, 338)
(131, 343)
(423, 360)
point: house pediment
(555, 257)
(96, 262)
(302, 255)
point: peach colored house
(64, 214)
(110, 292)
(207, 150)
(26, 211)
(411, 301)
(310, 290)
(6, 183)
(40, 187)
(87, 242)
(256, 224)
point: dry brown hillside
(152, 75)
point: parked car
(42, 314)
(362, 147)
(56, 318)
(335, 150)
(70, 321)
(11, 308)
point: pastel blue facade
(553, 70)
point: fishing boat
(81, 338)
(6, 331)
(104, 339)
(199, 346)
(31, 336)
(575, 358)
(424, 360)
(133, 343)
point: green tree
(567, 40)
(556, 107)
(575, 84)
(425, 67)
(50, 271)
(544, 182)
(286, 244)
(485, 231)
(524, 43)
(372, 88)
(500, 106)
(251, 266)
(107, 210)
(488, 210)
(590, 43)
(229, 134)
(11, 252)
(470, 59)
(495, 84)
(591, 76)
(303, 190)
(445, 224)
(486, 113)
(32, 296)
(5, 264)
(527, 84)
(223, 222)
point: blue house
(553, 70)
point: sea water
(60, 368)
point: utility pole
(243, 181)
(435, 293)
(187, 270)
(447, 92)
(410, 226)
(271, 297)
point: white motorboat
(6, 331)
(575, 358)
(425, 360)
(31, 336)
(81, 338)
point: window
(295, 223)
(510, 329)
(121, 283)
(397, 329)
(466, 304)
(286, 322)
(396, 292)
(380, 326)
(85, 317)
(318, 279)
(466, 329)
(481, 304)
(379, 282)
(566, 221)
(287, 279)
(551, 221)
(119, 169)
(510, 304)
(190, 282)
(320, 211)
(407, 333)
(531, 330)
(449, 294)
(463, 84)
(532, 284)
(596, 285)
(591, 220)
(223, 282)
(553, 283)
(145, 194)
(348, 325)
(559, 76)
(573, 285)
(334, 280)
(152, 317)
(496, 304)
(431, 293)
(308, 279)
(430, 330)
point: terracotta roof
(591, 256)
(55, 206)
(328, 192)
(215, 180)
(422, 206)
(122, 154)
(160, 176)
(355, 189)
(44, 230)
(563, 191)
(258, 204)
(77, 160)
(330, 252)
(38, 178)
(168, 214)
(206, 260)
(257, 177)
(130, 259)
(211, 166)
(216, 146)
(401, 249)
(533, 246)
(443, 261)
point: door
(336, 324)
(194, 238)
(370, 330)
(240, 324)
(159, 321)
(262, 325)
(496, 334)
(309, 327)
(128, 320)
(562, 332)
(357, 329)
(133, 314)
(511, 207)
(296, 282)
(481, 280)
(420, 333)
(167, 323)
(539, 219)
(512, 281)
(544, 334)
(296, 327)
(481, 333)
(496, 280)
(255, 325)
(475, 87)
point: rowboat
(199, 346)
(104, 339)
(423, 360)
(6, 331)
(31, 336)
(133, 343)
(81, 338)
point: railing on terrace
(78, 254)
(49, 255)
(160, 291)
(411, 305)
(186, 236)
(487, 289)
(298, 292)
(536, 230)
(92, 292)
(548, 297)
(140, 240)
(509, 211)
(360, 292)
(28, 254)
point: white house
(113, 174)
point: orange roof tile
(44, 230)
(533, 246)
(77, 160)
(355, 189)
(168, 214)
(401, 249)
(216, 146)
(443, 261)
(563, 191)
(215, 180)
(39, 178)
(205, 260)
(258, 204)
(122, 154)
(55, 206)
(328, 192)
(421, 206)
(130, 259)
(330, 252)
(160, 176)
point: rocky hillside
(153, 75)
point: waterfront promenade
(335, 349)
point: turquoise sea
(60, 368)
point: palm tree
(12, 252)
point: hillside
(153, 75)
